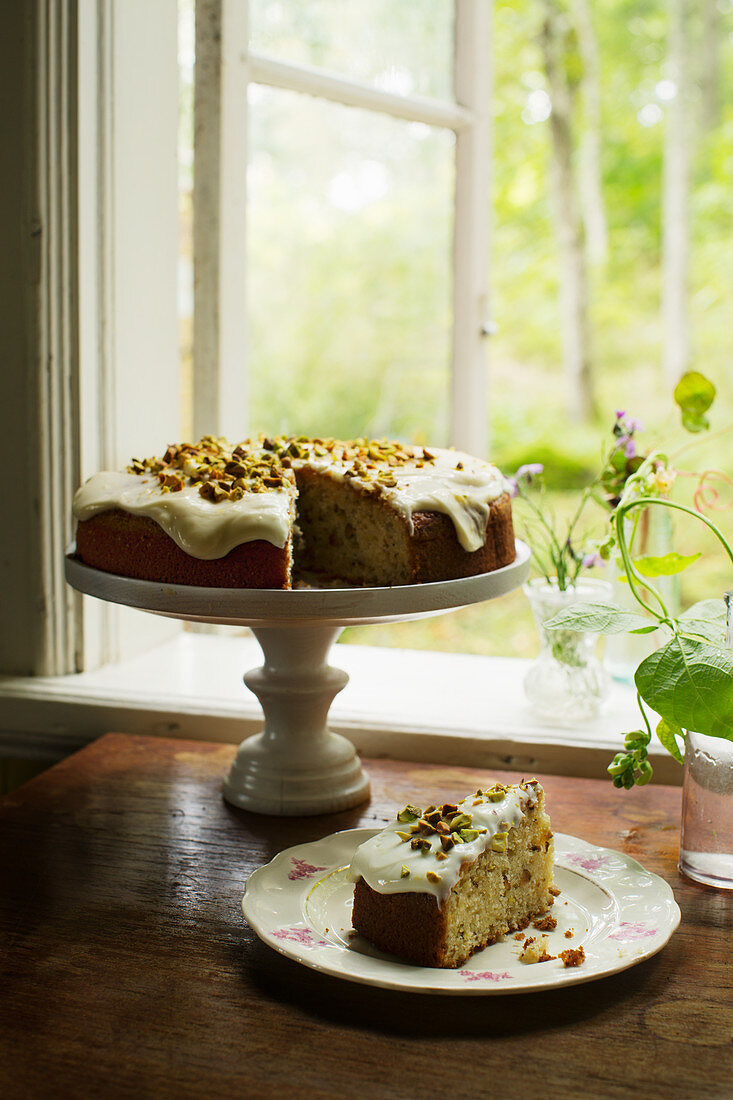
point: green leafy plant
(688, 681)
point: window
(307, 152)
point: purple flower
(511, 486)
(530, 470)
(629, 447)
(620, 414)
(592, 559)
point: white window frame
(225, 66)
(92, 366)
(93, 359)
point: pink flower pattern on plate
(588, 863)
(632, 930)
(301, 869)
(303, 936)
(485, 975)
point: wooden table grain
(126, 969)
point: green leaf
(668, 735)
(645, 629)
(665, 566)
(706, 618)
(598, 618)
(694, 394)
(689, 683)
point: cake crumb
(569, 933)
(572, 956)
(555, 891)
(519, 935)
(534, 950)
(545, 924)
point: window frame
(225, 67)
(92, 324)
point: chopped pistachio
(409, 813)
(498, 842)
(433, 876)
(403, 836)
(418, 842)
(405, 872)
(469, 834)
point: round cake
(266, 511)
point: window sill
(443, 708)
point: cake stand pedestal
(296, 765)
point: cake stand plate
(296, 765)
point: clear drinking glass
(706, 840)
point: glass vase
(706, 838)
(567, 682)
(652, 535)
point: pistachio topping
(433, 876)
(409, 813)
(220, 471)
(405, 872)
(498, 842)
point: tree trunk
(569, 225)
(675, 202)
(589, 165)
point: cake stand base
(296, 765)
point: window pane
(349, 238)
(399, 47)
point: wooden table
(126, 968)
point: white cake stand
(296, 765)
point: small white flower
(664, 480)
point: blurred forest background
(611, 262)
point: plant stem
(632, 573)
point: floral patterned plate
(300, 904)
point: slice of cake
(268, 510)
(438, 884)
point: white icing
(203, 528)
(464, 494)
(452, 483)
(379, 860)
